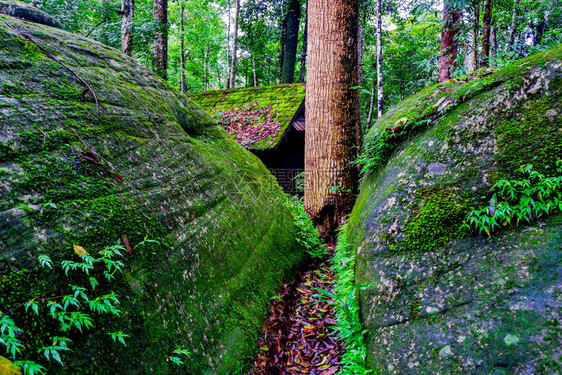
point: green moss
(437, 221)
(284, 100)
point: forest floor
(299, 335)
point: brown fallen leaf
(79, 250)
(127, 244)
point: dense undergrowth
(345, 294)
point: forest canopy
(201, 38)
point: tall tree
(486, 32)
(449, 40)
(380, 96)
(332, 112)
(160, 59)
(291, 41)
(475, 33)
(232, 79)
(304, 49)
(513, 27)
(128, 13)
(183, 86)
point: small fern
(519, 200)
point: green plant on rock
(72, 310)
(526, 199)
(307, 235)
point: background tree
(449, 40)
(332, 114)
(486, 33)
(234, 54)
(160, 58)
(291, 41)
(127, 25)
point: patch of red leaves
(250, 124)
(299, 337)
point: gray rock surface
(442, 301)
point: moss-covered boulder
(441, 298)
(95, 150)
(27, 12)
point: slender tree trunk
(304, 50)
(332, 112)
(513, 27)
(360, 48)
(372, 100)
(380, 95)
(160, 60)
(228, 48)
(182, 50)
(255, 72)
(128, 12)
(291, 42)
(486, 31)
(234, 46)
(449, 42)
(475, 35)
(493, 44)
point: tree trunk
(332, 113)
(380, 96)
(228, 48)
(304, 50)
(128, 11)
(234, 46)
(372, 100)
(475, 34)
(513, 27)
(291, 42)
(486, 32)
(182, 50)
(160, 59)
(254, 71)
(449, 42)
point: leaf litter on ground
(299, 335)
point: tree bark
(291, 42)
(232, 79)
(380, 95)
(372, 101)
(332, 113)
(475, 34)
(304, 50)
(182, 50)
(449, 42)
(513, 27)
(128, 12)
(228, 48)
(486, 32)
(160, 59)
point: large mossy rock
(96, 151)
(442, 300)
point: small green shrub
(307, 235)
(349, 325)
(72, 310)
(516, 200)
